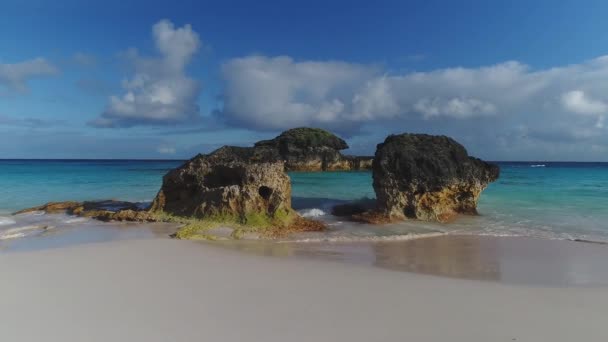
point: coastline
(162, 289)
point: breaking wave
(5, 221)
(19, 232)
(382, 238)
(314, 212)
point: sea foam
(5, 221)
(20, 232)
(314, 212)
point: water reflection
(511, 260)
(465, 258)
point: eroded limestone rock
(310, 149)
(230, 183)
(428, 178)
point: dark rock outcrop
(428, 178)
(310, 149)
(230, 183)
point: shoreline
(516, 260)
(512, 260)
(162, 289)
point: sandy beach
(167, 290)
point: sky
(510, 80)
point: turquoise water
(556, 200)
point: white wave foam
(19, 232)
(5, 221)
(538, 165)
(314, 212)
(344, 238)
(33, 213)
(76, 220)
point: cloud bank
(272, 93)
(159, 92)
(14, 77)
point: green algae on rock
(231, 186)
(310, 149)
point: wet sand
(166, 290)
(511, 260)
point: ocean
(553, 200)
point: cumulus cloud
(276, 93)
(14, 77)
(578, 102)
(456, 107)
(507, 105)
(159, 92)
(272, 93)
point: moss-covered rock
(306, 138)
(310, 149)
(229, 184)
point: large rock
(230, 183)
(428, 178)
(310, 149)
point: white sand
(164, 290)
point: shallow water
(548, 200)
(510, 260)
(37, 230)
(545, 200)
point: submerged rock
(107, 210)
(231, 183)
(52, 207)
(428, 178)
(310, 149)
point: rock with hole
(231, 183)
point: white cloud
(578, 102)
(159, 92)
(276, 93)
(14, 77)
(457, 107)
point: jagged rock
(230, 183)
(428, 178)
(310, 149)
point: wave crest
(314, 212)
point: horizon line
(184, 159)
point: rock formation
(230, 183)
(428, 178)
(310, 149)
(108, 210)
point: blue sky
(516, 80)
